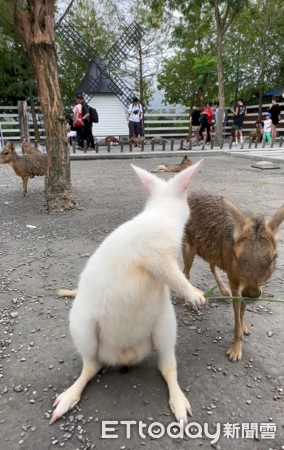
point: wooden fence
(166, 122)
(174, 121)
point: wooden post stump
(97, 147)
(222, 144)
(181, 144)
(130, 146)
(85, 146)
(152, 146)
(231, 142)
(272, 143)
(164, 145)
(23, 119)
(212, 144)
(74, 147)
(121, 146)
(190, 145)
(142, 146)
(250, 142)
(108, 146)
(280, 142)
(172, 144)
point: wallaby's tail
(66, 293)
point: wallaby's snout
(251, 293)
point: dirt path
(37, 357)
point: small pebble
(248, 402)
(18, 388)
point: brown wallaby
(256, 134)
(26, 166)
(28, 149)
(112, 139)
(174, 167)
(138, 141)
(238, 243)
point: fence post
(121, 146)
(152, 145)
(181, 144)
(263, 143)
(280, 142)
(243, 143)
(222, 144)
(164, 145)
(85, 146)
(108, 146)
(212, 144)
(190, 145)
(272, 143)
(97, 147)
(250, 142)
(203, 144)
(36, 144)
(255, 143)
(172, 144)
(130, 146)
(23, 119)
(74, 147)
(231, 142)
(142, 146)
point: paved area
(38, 359)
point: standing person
(206, 121)
(135, 113)
(239, 113)
(194, 120)
(83, 123)
(216, 114)
(275, 111)
(267, 128)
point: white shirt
(135, 117)
(267, 126)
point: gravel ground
(38, 360)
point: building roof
(97, 80)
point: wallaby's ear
(12, 147)
(237, 217)
(275, 222)
(183, 179)
(149, 181)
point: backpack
(94, 117)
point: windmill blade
(72, 39)
(123, 46)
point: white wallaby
(123, 307)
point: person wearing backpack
(83, 123)
(135, 113)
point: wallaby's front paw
(197, 300)
(225, 291)
(180, 406)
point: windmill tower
(101, 87)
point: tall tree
(33, 20)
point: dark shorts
(238, 126)
(275, 120)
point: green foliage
(95, 31)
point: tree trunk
(141, 81)
(261, 79)
(35, 25)
(218, 136)
(36, 130)
(201, 97)
(58, 189)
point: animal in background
(28, 149)
(185, 163)
(120, 314)
(138, 141)
(242, 245)
(112, 139)
(25, 166)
